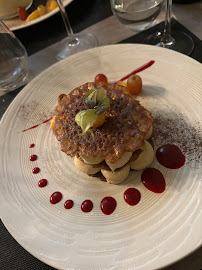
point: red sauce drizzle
(32, 145)
(86, 206)
(36, 170)
(68, 204)
(153, 180)
(132, 196)
(170, 156)
(33, 157)
(55, 197)
(108, 205)
(167, 155)
(38, 124)
(42, 183)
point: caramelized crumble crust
(124, 130)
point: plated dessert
(104, 129)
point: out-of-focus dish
(16, 23)
(8, 9)
(161, 228)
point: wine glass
(73, 43)
(175, 40)
(13, 60)
(137, 15)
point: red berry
(22, 13)
(101, 78)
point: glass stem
(167, 38)
(73, 40)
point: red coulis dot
(108, 205)
(33, 157)
(132, 196)
(68, 204)
(170, 156)
(36, 170)
(32, 145)
(55, 197)
(86, 206)
(153, 180)
(42, 183)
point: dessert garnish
(132, 196)
(96, 102)
(36, 126)
(108, 205)
(56, 197)
(36, 170)
(170, 156)
(134, 84)
(87, 206)
(22, 13)
(38, 12)
(153, 180)
(101, 78)
(32, 145)
(68, 204)
(42, 183)
(33, 157)
(143, 67)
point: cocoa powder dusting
(26, 110)
(173, 128)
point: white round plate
(16, 23)
(162, 228)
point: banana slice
(121, 162)
(91, 160)
(116, 177)
(144, 159)
(85, 168)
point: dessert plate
(161, 228)
(16, 23)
